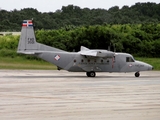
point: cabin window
(100, 52)
(82, 60)
(114, 59)
(89, 60)
(129, 59)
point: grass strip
(21, 63)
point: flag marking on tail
(27, 23)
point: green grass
(22, 63)
(155, 62)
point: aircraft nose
(145, 66)
(150, 67)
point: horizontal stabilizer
(29, 52)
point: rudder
(27, 40)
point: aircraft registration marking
(31, 41)
(139, 65)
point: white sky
(53, 5)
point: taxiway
(61, 95)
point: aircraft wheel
(88, 74)
(91, 74)
(137, 74)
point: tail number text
(30, 40)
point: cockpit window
(129, 59)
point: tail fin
(27, 43)
(27, 40)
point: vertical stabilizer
(27, 39)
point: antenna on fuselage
(109, 47)
(114, 47)
(34, 26)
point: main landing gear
(91, 74)
(137, 74)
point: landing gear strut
(91, 74)
(137, 74)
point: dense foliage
(134, 29)
(71, 16)
(138, 39)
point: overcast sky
(53, 5)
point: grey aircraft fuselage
(75, 62)
(86, 60)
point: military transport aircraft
(86, 60)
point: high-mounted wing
(96, 53)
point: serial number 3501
(30, 40)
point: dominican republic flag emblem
(57, 57)
(27, 23)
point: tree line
(73, 16)
(141, 40)
(138, 39)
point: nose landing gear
(137, 74)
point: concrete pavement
(61, 95)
